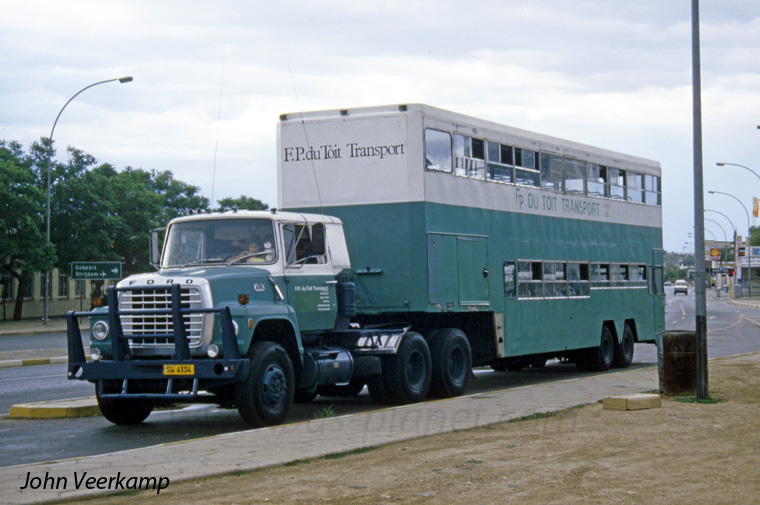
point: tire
(124, 411)
(406, 375)
(624, 350)
(265, 397)
(598, 359)
(451, 359)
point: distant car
(668, 283)
(681, 287)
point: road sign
(95, 270)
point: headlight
(100, 330)
(95, 354)
(212, 351)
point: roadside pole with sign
(96, 270)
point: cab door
(309, 279)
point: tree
(22, 220)
(97, 212)
(241, 203)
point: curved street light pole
(749, 234)
(723, 163)
(725, 237)
(727, 218)
(46, 287)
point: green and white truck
(416, 244)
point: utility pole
(699, 210)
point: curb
(11, 363)
(77, 407)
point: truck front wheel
(124, 411)
(266, 395)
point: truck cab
(238, 313)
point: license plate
(179, 369)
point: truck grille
(137, 299)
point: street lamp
(749, 234)
(725, 237)
(121, 80)
(740, 203)
(727, 218)
(723, 163)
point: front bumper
(178, 377)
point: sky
(211, 79)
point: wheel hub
(275, 385)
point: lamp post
(749, 234)
(732, 227)
(121, 80)
(723, 163)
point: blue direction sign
(95, 270)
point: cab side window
(304, 243)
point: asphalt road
(731, 330)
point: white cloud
(594, 71)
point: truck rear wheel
(124, 411)
(266, 395)
(451, 363)
(407, 373)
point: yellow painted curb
(82, 407)
(35, 361)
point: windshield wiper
(202, 261)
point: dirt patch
(680, 453)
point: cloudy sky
(211, 79)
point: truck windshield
(222, 241)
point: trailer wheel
(124, 411)
(266, 395)
(452, 363)
(624, 350)
(599, 358)
(407, 374)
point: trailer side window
(469, 157)
(500, 162)
(635, 183)
(551, 172)
(575, 175)
(578, 280)
(530, 279)
(437, 150)
(510, 287)
(600, 275)
(526, 167)
(639, 275)
(653, 195)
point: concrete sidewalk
(266, 447)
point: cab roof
(273, 214)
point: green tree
(22, 220)
(241, 203)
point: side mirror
(155, 249)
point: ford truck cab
(246, 310)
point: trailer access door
(457, 270)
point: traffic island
(77, 407)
